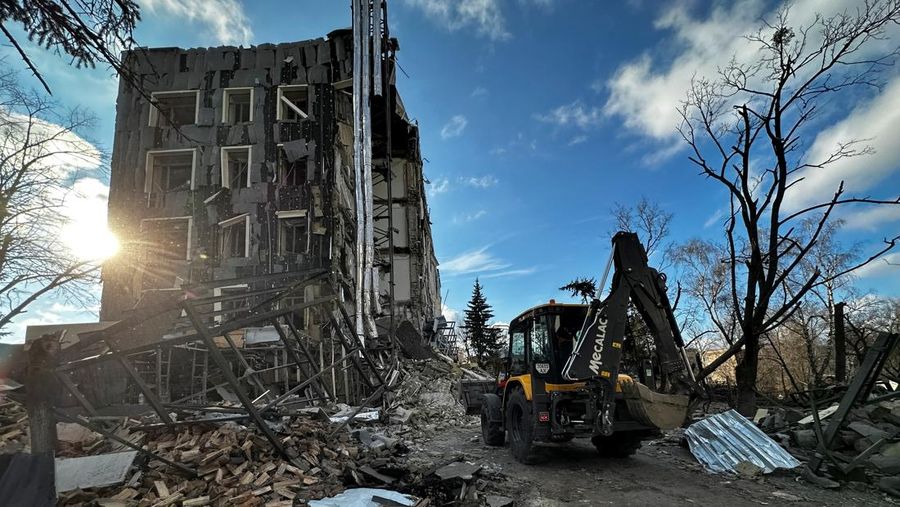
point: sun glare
(90, 242)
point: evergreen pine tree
(485, 342)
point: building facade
(233, 163)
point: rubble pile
(874, 424)
(236, 464)
(426, 401)
(13, 427)
(382, 447)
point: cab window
(539, 336)
(517, 351)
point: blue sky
(536, 117)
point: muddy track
(661, 474)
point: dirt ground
(661, 474)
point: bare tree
(703, 275)
(88, 31)
(40, 147)
(750, 131)
(646, 218)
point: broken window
(238, 105)
(292, 232)
(236, 167)
(234, 237)
(234, 300)
(293, 103)
(291, 174)
(169, 171)
(166, 241)
(174, 109)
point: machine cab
(541, 340)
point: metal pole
(602, 286)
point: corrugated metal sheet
(721, 441)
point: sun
(90, 242)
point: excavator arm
(597, 353)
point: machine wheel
(618, 445)
(491, 426)
(520, 424)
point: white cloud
(574, 114)
(224, 19)
(485, 181)
(578, 140)
(713, 219)
(479, 91)
(454, 127)
(540, 3)
(520, 144)
(646, 91)
(451, 314)
(474, 261)
(877, 122)
(871, 217)
(511, 272)
(483, 264)
(484, 15)
(438, 186)
(469, 217)
(887, 265)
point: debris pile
(426, 399)
(13, 428)
(235, 464)
(867, 446)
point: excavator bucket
(663, 411)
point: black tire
(491, 426)
(520, 425)
(618, 445)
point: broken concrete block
(458, 470)
(748, 470)
(401, 415)
(371, 472)
(823, 414)
(892, 450)
(890, 485)
(74, 433)
(867, 430)
(498, 501)
(93, 471)
(805, 439)
(888, 465)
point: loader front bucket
(663, 411)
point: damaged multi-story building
(276, 241)
(234, 162)
(239, 181)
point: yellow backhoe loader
(570, 371)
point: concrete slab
(93, 471)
